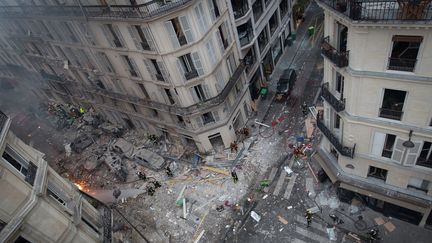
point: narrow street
(287, 191)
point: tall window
(141, 37)
(158, 73)
(339, 87)
(263, 40)
(131, 65)
(180, 31)
(16, 161)
(112, 33)
(404, 52)
(273, 23)
(388, 145)
(425, 158)
(392, 104)
(257, 8)
(190, 65)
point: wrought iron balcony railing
(402, 64)
(338, 105)
(383, 10)
(343, 150)
(183, 111)
(391, 114)
(190, 75)
(139, 11)
(339, 58)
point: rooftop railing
(140, 11)
(383, 10)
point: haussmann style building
(185, 69)
(37, 205)
(377, 119)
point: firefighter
(308, 216)
(304, 108)
(169, 172)
(234, 176)
(142, 176)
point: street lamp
(409, 144)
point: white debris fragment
(265, 196)
(68, 150)
(289, 207)
(288, 170)
(255, 216)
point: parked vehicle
(285, 84)
(149, 159)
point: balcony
(190, 75)
(182, 111)
(343, 150)
(337, 104)
(391, 114)
(339, 58)
(140, 11)
(402, 64)
(382, 10)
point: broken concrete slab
(81, 143)
(123, 147)
(149, 159)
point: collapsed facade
(40, 206)
(182, 68)
(377, 118)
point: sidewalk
(286, 60)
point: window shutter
(211, 9)
(149, 39)
(206, 90)
(133, 33)
(163, 70)
(199, 121)
(186, 28)
(134, 66)
(211, 52)
(108, 35)
(119, 35)
(378, 143)
(194, 95)
(172, 34)
(220, 42)
(200, 18)
(219, 80)
(86, 31)
(227, 30)
(180, 69)
(411, 157)
(197, 63)
(216, 115)
(150, 69)
(398, 150)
